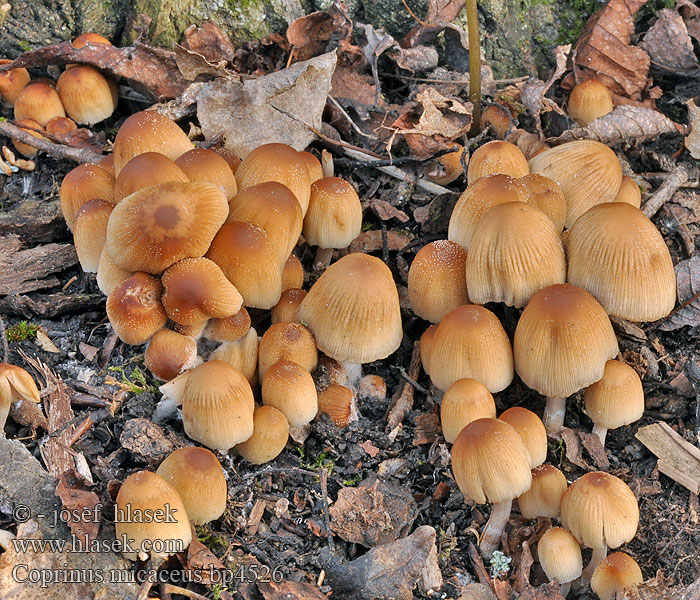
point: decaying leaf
(210, 41)
(274, 108)
(533, 93)
(82, 504)
(200, 561)
(371, 241)
(624, 123)
(688, 286)
(418, 58)
(669, 44)
(692, 140)
(193, 64)
(319, 32)
(439, 13)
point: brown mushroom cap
(531, 429)
(229, 329)
(135, 310)
(87, 95)
(82, 184)
(617, 399)
(615, 573)
(543, 499)
(448, 167)
(60, 126)
(334, 215)
(232, 159)
(90, 38)
(353, 310)
(589, 100)
(32, 128)
(629, 192)
(144, 170)
(287, 341)
(497, 158)
(207, 166)
(241, 354)
(292, 274)
(290, 388)
(546, 195)
(109, 275)
(338, 402)
(15, 385)
(169, 354)
(107, 163)
(313, 166)
(12, 82)
(426, 346)
(560, 555)
(466, 400)
(285, 311)
(40, 102)
(90, 233)
(270, 435)
(566, 329)
(498, 120)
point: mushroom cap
(12, 82)
(543, 499)
(145, 492)
(334, 216)
(566, 329)
(60, 126)
(477, 199)
(426, 346)
(353, 310)
(90, 233)
(560, 555)
(600, 510)
(232, 159)
(613, 574)
(466, 400)
(241, 354)
(32, 128)
(87, 95)
(169, 354)
(199, 479)
(217, 406)
(471, 342)
(290, 388)
(285, 311)
(40, 102)
(228, 329)
(109, 275)
(546, 195)
(82, 184)
(587, 171)
(270, 435)
(515, 252)
(617, 399)
(292, 274)
(159, 225)
(589, 100)
(90, 38)
(207, 166)
(617, 254)
(107, 163)
(135, 310)
(531, 429)
(338, 402)
(497, 158)
(313, 166)
(498, 119)
(21, 384)
(629, 192)
(448, 167)
(148, 131)
(490, 462)
(436, 280)
(287, 341)
(144, 170)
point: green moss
(136, 382)
(24, 330)
(25, 45)
(573, 21)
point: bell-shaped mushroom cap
(169, 354)
(199, 479)
(338, 402)
(466, 400)
(249, 260)
(270, 435)
(353, 310)
(290, 388)
(287, 341)
(82, 184)
(162, 224)
(514, 252)
(15, 384)
(490, 462)
(228, 329)
(217, 406)
(148, 131)
(313, 166)
(477, 199)
(12, 82)
(195, 289)
(241, 354)
(587, 171)
(109, 275)
(617, 254)
(232, 159)
(600, 510)
(589, 100)
(471, 342)
(135, 310)
(90, 233)
(87, 95)
(617, 399)
(560, 555)
(285, 311)
(107, 163)
(145, 170)
(629, 192)
(276, 162)
(615, 573)
(32, 128)
(144, 493)
(448, 167)
(531, 429)
(39, 102)
(543, 499)
(205, 165)
(566, 329)
(497, 158)
(546, 195)
(436, 281)
(334, 216)
(90, 38)
(292, 274)
(426, 346)
(275, 209)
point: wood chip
(256, 514)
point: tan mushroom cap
(109, 275)
(587, 171)
(292, 274)
(477, 199)
(615, 573)
(87, 95)
(543, 499)
(39, 102)
(60, 126)
(199, 480)
(498, 119)
(338, 402)
(589, 100)
(531, 429)
(290, 388)
(447, 167)
(617, 399)
(470, 342)
(313, 166)
(145, 493)
(90, 38)
(600, 510)
(287, 341)
(334, 215)
(169, 354)
(144, 170)
(217, 406)
(15, 384)
(566, 329)
(617, 254)
(32, 128)
(270, 435)
(466, 400)
(159, 225)
(560, 555)
(232, 159)
(148, 131)
(241, 354)
(107, 163)
(546, 195)
(436, 280)
(228, 329)
(497, 158)
(629, 192)
(90, 233)
(82, 184)
(207, 166)
(490, 462)
(353, 310)
(426, 346)
(12, 82)
(285, 311)
(515, 252)
(135, 310)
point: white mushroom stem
(491, 536)
(323, 258)
(327, 164)
(5, 402)
(598, 555)
(564, 589)
(554, 414)
(600, 431)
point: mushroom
(339, 403)
(543, 499)
(40, 102)
(497, 158)
(82, 184)
(292, 274)
(629, 192)
(531, 429)
(144, 170)
(232, 159)
(546, 195)
(564, 328)
(426, 346)
(228, 329)
(466, 400)
(199, 480)
(290, 388)
(560, 557)
(498, 120)
(107, 163)
(287, 341)
(241, 354)
(207, 166)
(90, 233)
(313, 166)
(12, 82)
(491, 464)
(589, 100)
(32, 128)
(90, 38)
(448, 167)
(15, 385)
(60, 126)
(87, 95)
(135, 310)
(169, 353)
(270, 435)
(109, 275)
(285, 311)
(615, 573)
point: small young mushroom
(38, 101)
(135, 309)
(426, 346)
(543, 499)
(60, 126)
(109, 275)
(12, 82)
(287, 341)
(589, 100)
(270, 435)
(32, 128)
(82, 184)
(207, 166)
(339, 403)
(87, 95)
(466, 400)
(629, 192)
(560, 556)
(615, 573)
(15, 384)
(144, 170)
(531, 429)
(546, 195)
(313, 166)
(497, 158)
(285, 311)
(228, 329)
(241, 354)
(90, 233)
(290, 388)
(292, 274)
(448, 167)
(169, 353)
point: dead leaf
(44, 342)
(692, 140)
(591, 442)
(319, 32)
(439, 13)
(255, 516)
(88, 351)
(417, 58)
(193, 64)
(210, 41)
(386, 211)
(669, 45)
(377, 43)
(623, 123)
(274, 108)
(146, 440)
(82, 504)
(369, 448)
(573, 448)
(427, 429)
(688, 289)
(371, 241)
(201, 562)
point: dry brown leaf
(688, 287)
(624, 123)
(371, 241)
(319, 32)
(427, 429)
(193, 64)
(532, 95)
(369, 448)
(692, 140)
(201, 562)
(81, 504)
(417, 58)
(439, 13)
(669, 45)
(210, 41)
(386, 211)
(44, 342)
(573, 448)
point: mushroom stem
(564, 589)
(323, 258)
(6, 538)
(491, 536)
(598, 555)
(5, 401)
(327, 164)
(554, 414)
(474, 64)
(600, 431)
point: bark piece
(477, 591)
(34, 222)
(76, 497)
(50, 306)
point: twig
(79, 155)
(479, 567)
(403, 402)
(352, 123)
(145, 588)
(392, 162)
(326, 517)
(410, 12)
(169, 588)
(5, 345)
(414, 383)
(675, 179)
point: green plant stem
(474, 64)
